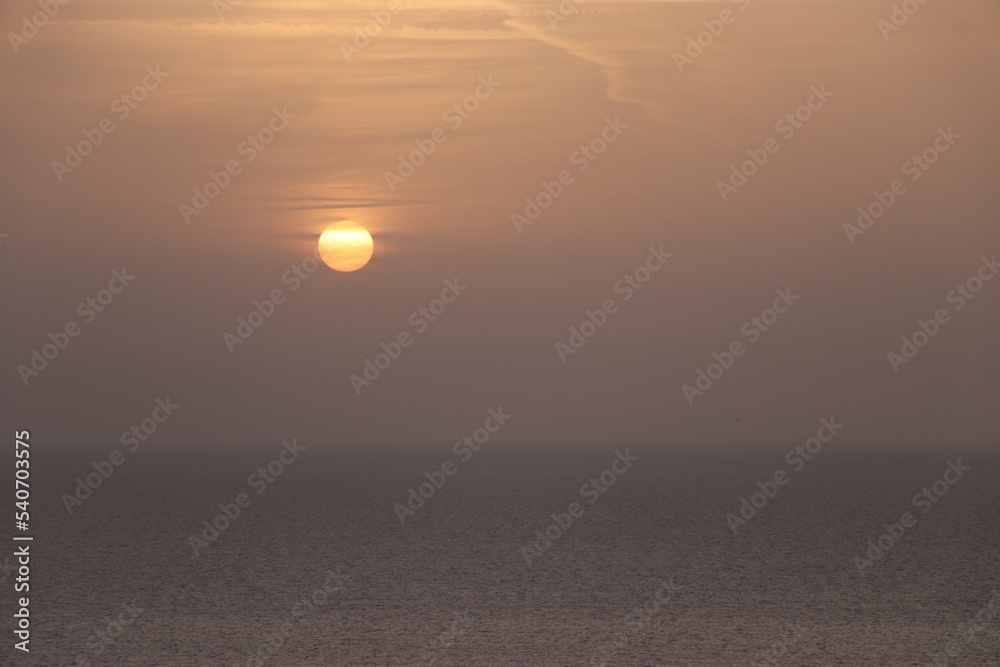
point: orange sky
(555, 85)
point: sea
(615, 554)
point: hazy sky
(553, 83)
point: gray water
(452, 586)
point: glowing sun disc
(346, 246)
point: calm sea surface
(318, 569)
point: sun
(346, 246)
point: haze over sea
(451, 582)
(496, 332)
